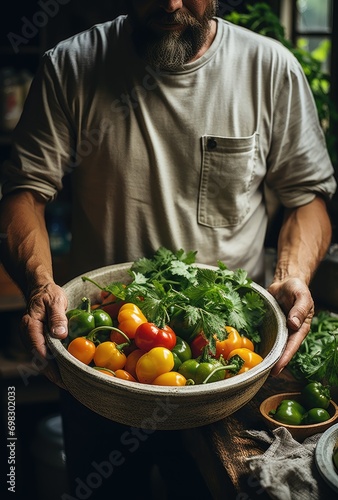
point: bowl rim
(288, 395)
(323, 448)
(237, 382)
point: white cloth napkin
(287, 470)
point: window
(312, 29)
(313, 25)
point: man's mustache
(182, 18)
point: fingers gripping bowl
(164, 407)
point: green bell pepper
(315, 395)
(102, 318)
(81, 323)
(192, 369)
(206, 369)
(188, 369)
(288, 412)
(83, 320)
(315, 416)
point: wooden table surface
(221, 448)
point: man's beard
(172, 49)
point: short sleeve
(299, 166)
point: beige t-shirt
(175, 159)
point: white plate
(323, 456)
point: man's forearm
(25, 250)
(303, 241)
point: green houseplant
(261, 19)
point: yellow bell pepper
(129, 318)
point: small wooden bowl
(298, 432)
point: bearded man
(172, 124)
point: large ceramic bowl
(158, 407)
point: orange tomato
(124, 375)
(105, 371)
(131, 361)
(107, 355)
(82, 349)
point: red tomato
(197, 345)
(148, 336)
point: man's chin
(168, 53)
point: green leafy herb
(170, 283)
(317, 357)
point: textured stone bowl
(326, 445)
(156, 407)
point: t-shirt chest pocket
(228, 166)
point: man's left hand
(294, 297)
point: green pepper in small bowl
(315, 416)
(298, 430)
(315, 395)
(289, 412)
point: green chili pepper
(102, 318)
(315, 416)
(181, 352)
(206, 369)
(188, 369)
(82, 320)
(73, 312)
(315, 395)
(192, 369)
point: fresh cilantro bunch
(169, 286)
(317, 357)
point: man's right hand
(45, 313)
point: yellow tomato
(170, 378)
